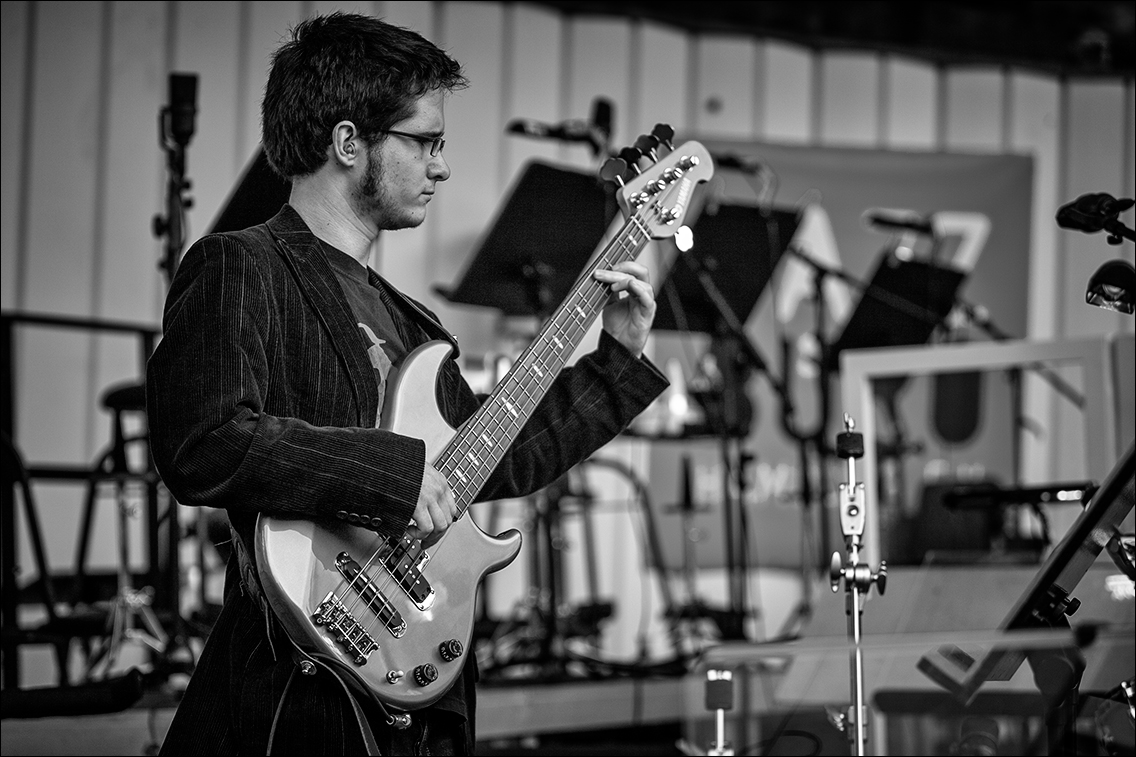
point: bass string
(623, 243)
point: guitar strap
(306, 663)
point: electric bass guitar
(401, 617)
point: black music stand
(902, 304)
(1046, 603)
(258, 196)
(736, 247)
(546, 231)
(712, 288)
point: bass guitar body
(397, 617)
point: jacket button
(376, 521)
(353, 517)
(342, 515)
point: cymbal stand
(129, 604)
(857, 577)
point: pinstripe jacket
(261, 398)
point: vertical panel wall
(725, 87)
(63, 212)
(850, 111)
(1034, 114)
(788, 93)
(474, 34)
(15, 84)
(83, 173)
(908, 104)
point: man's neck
(331, 220)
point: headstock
(657, 196)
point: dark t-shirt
(372, 313)
(375, 315)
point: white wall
(83, 174)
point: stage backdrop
(832, 189)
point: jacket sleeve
(217, 370)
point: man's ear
(345, 145)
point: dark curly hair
(345, 66)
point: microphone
(183, 107)
(740, 162)
(1091, 212)
(883, 219)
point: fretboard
(478, 446)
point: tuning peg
(646, 144)
(613, 170)
(631, 156)
(664, 133)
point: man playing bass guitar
(267, 396)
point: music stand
(734, 246)
(257, 197)
(547, 229)
(1046, 603)
(903, 303)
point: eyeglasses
(437, 144)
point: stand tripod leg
(129, 603)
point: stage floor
(520, 712)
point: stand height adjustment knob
(849, 444)
(836, 571)
(880, 578)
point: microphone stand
(736, 559)
(172, 224)
(175, 130)
(805, 440)
(857, 577)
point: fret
(483, 440)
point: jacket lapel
(315, 278)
